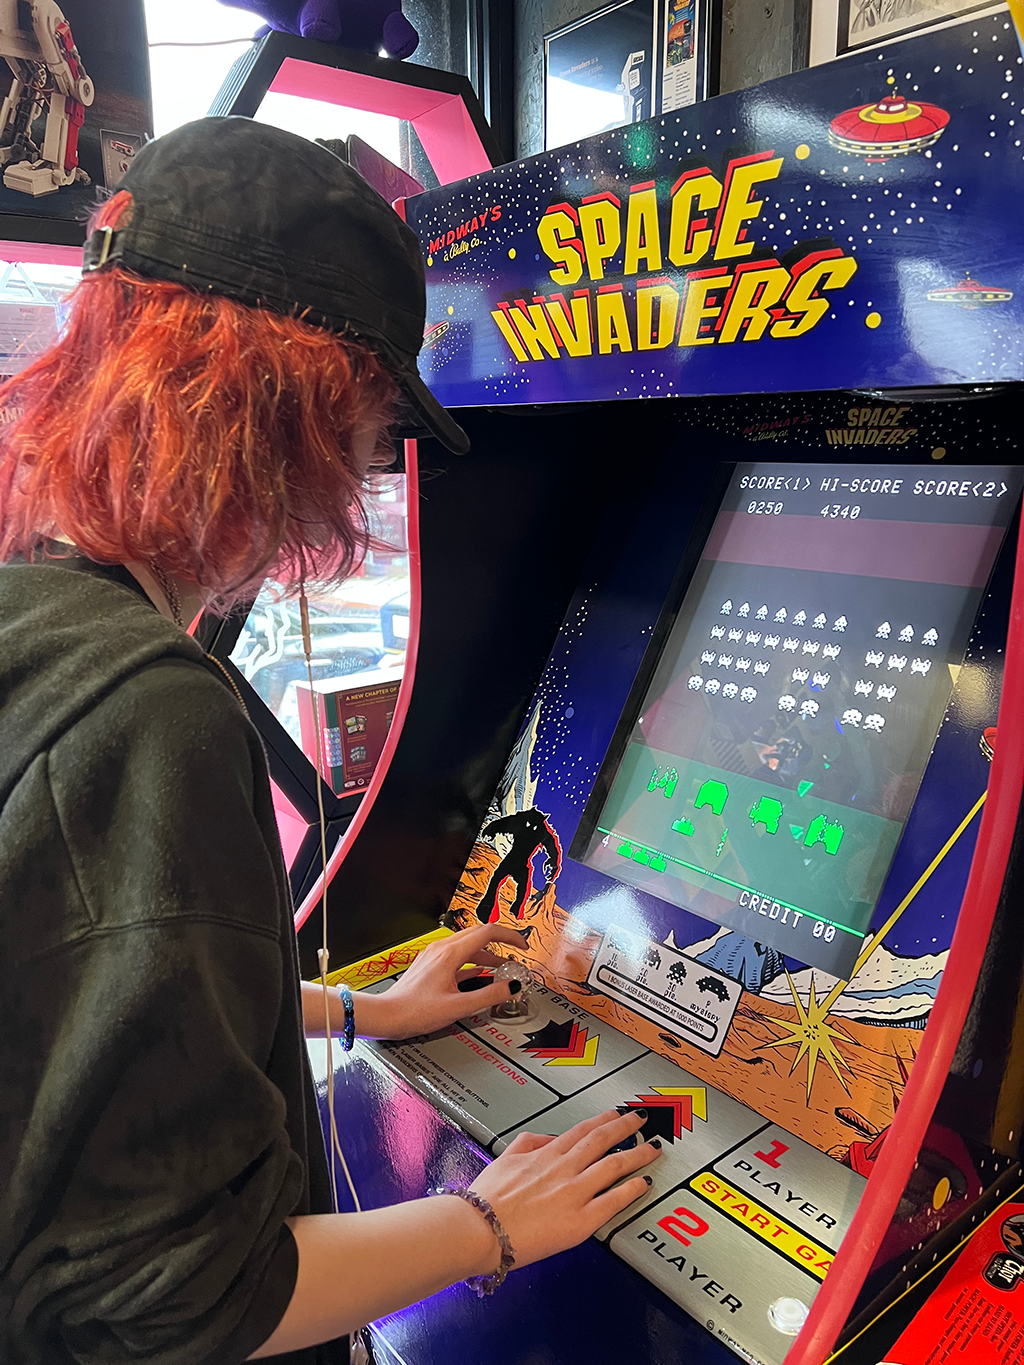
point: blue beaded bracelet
(348, 1030)
(485, 1284)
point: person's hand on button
(551, 1193)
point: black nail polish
(649, 1180)
(655, 1143)
(514, 987)
(640, 1113)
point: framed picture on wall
(625, 62)
(840, 26)
(687, 42)
(599, 72)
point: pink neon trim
(290, 824)
(42, 253)
(837, 1295)
(412, 502)
(441, 120)
(356, 89)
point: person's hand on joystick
(521, 982)
(427, 997)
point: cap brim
(423, 415)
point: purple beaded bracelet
(483, 1285)
(348, 1028)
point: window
(193, 44)
(31, 310)
(359, 634)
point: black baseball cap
(239, 208)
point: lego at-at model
(49, 80)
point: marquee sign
(849, 226)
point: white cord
(220, 42)
(356, 1341)
(324, 953)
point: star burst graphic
(814, 1036)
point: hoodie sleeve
(154, 1167)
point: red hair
(186, 430)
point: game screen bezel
(831, 902)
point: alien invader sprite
(49, 82)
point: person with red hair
(238, 358)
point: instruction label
(976, 1313)
(484, 1092)
(667, 987)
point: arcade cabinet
(717, 699)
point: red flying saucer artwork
(970, 294)
(434, 334)
(895, 126)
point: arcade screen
(765, 766)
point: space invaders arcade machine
(713, 627)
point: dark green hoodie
(157, 1116)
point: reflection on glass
(359, 633)
(32, 310)
(598, 72)
(314, 119)
(575, 112)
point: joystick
(519, 1005)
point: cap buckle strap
(107, 234)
